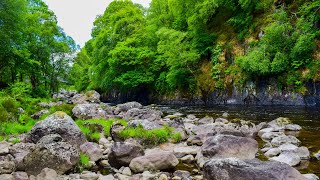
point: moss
(67, 108)
(176, 137)
(83, 163)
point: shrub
(67, 108)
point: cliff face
(261, 93)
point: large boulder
(88, 97)
(126, 106)
(236, 169)
(92, 111)
(289, 158)
(121, 154)
(154, 161)
(143, 114)
(48, 153)
(57, 123)
(224, 146)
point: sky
(76, 17)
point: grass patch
(83, 163)
(93, 127)
(154, 137)
(67, 108)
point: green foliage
(67, 108)
(83, 163)
(152, 137)
(91, 128)
(176, 137)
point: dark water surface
(308, 118)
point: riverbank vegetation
(193, 48)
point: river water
(307, 118)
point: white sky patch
(76, 17)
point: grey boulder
(121, 154)
(59, 156)
(154, 161)
(236, 169)
(224, 146)
(58, 123)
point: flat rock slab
(236, 169)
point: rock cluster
(210, 148)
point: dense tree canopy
(33, 47)
(196, 47)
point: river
(307, 118)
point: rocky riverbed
(207, 147)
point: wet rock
(47, 174)
(92, 150)
(59, 156)
(121, 154)
(4, 148)
(311, 176)
(143, 114)
(58, 123)
(236, 169)
(154, 161)
(126, 106)
(289, 158)
(277, 141)
(38, 114)
(20, 175)
(148, 125)
(272, 152)
(7, 164)
(91, 111)
(224, 146)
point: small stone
(92, 150)
(32, 177)
(108, 177)
(272, 152)
(278, 141)
(104, 163)
(198, 177)
(47, 174)
(176, 178)
(225, 114)
(182, 151)
(182, 174)
(287, 147)
(127, 171)
(288, 157)
(6, 177)
(148, 175)
(4, 148)
(221, 120)
(20, 175)
(265, 130)
(187, 159)
(292, 127)
(163, 177)
(89, 176)
(311, 176)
